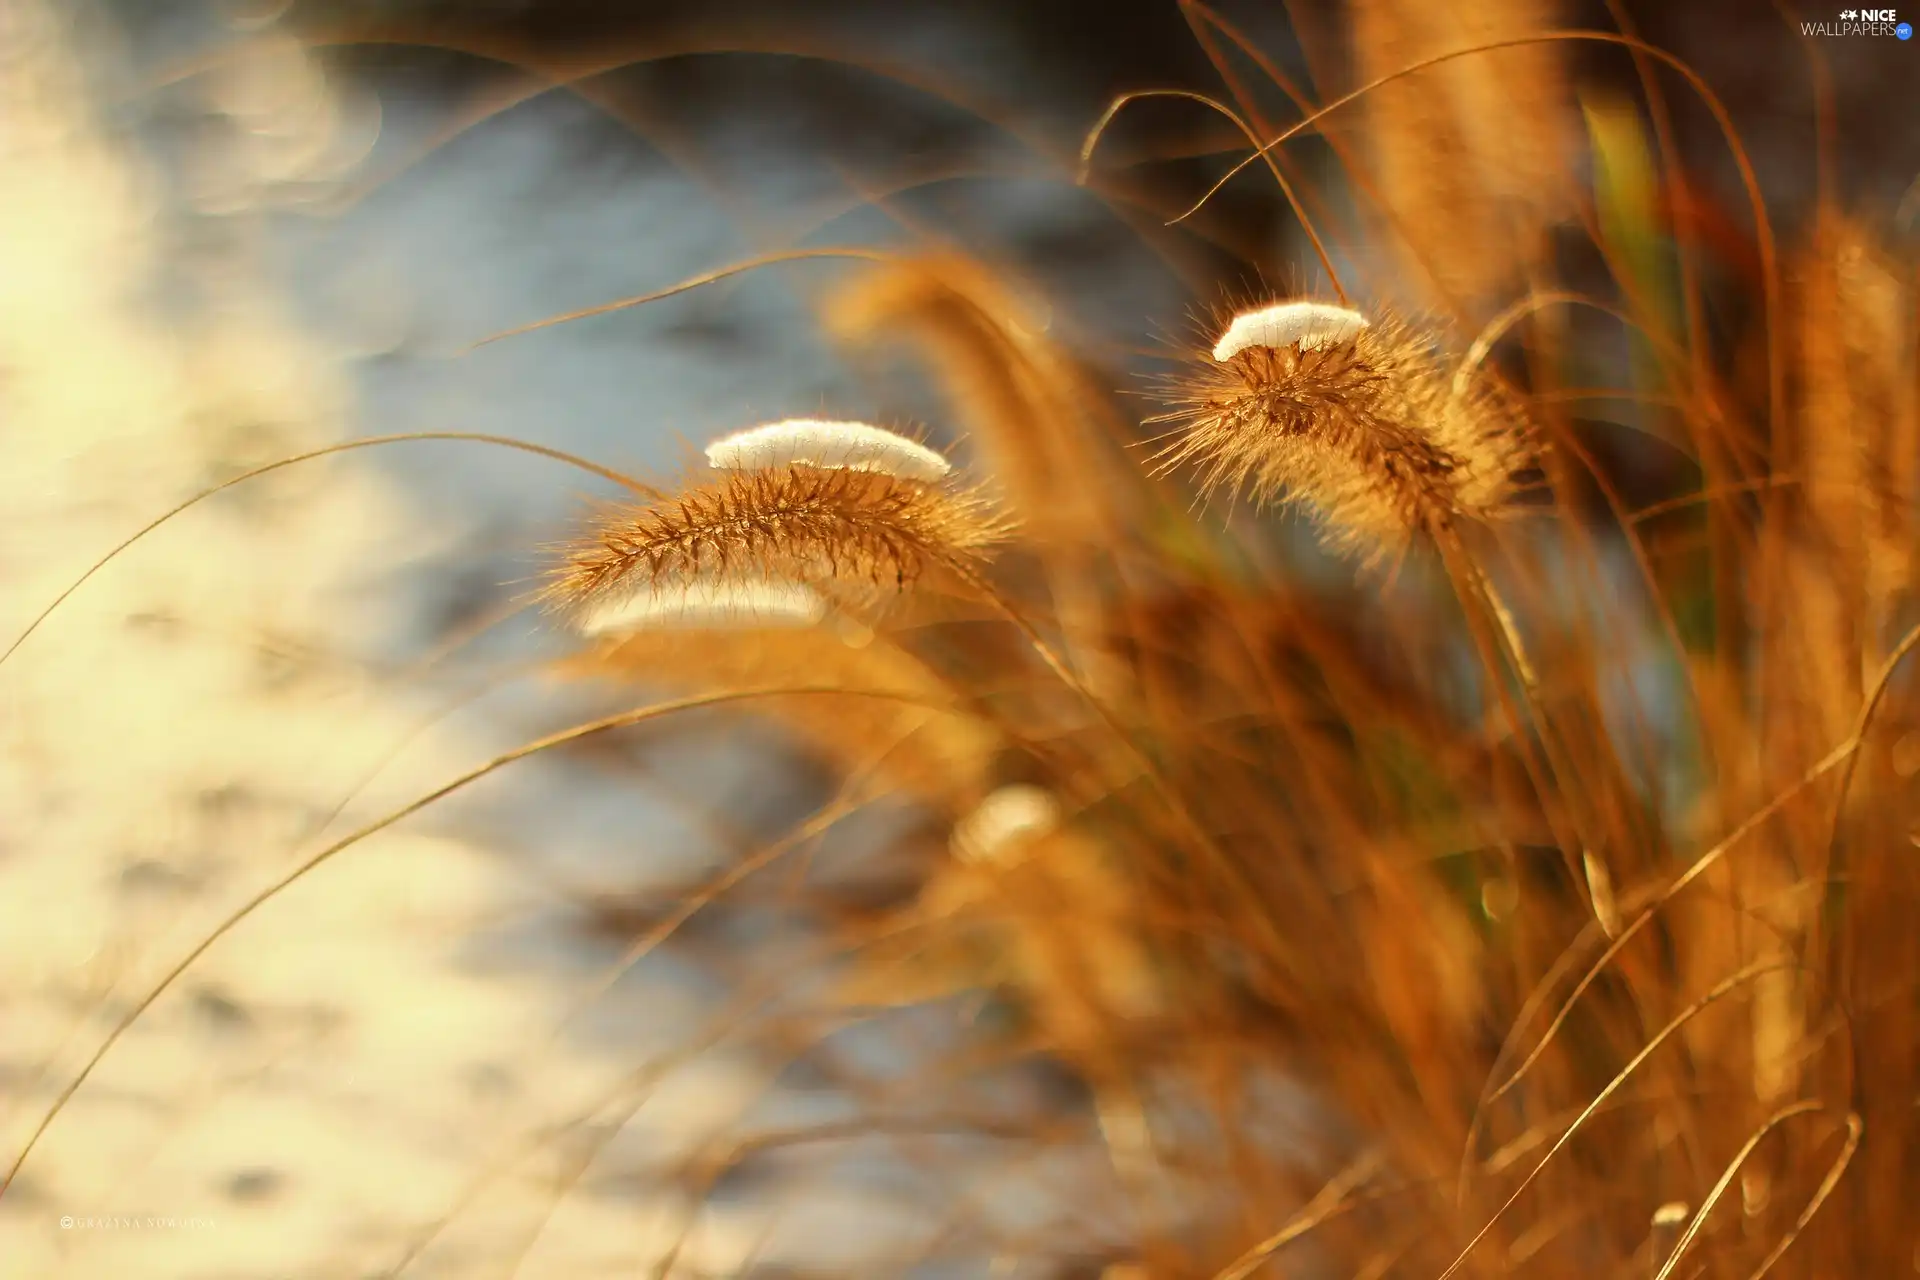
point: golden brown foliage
(920, 740)
(1552, 915)
(1563, 969)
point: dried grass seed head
(853, 537)
(1357, 420)
(1031, 410)
(812, 442)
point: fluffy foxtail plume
(1359, 421)
(850, 446)
(851, 536)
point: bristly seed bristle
(1357, 421)
(855, 537)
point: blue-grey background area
(656, 173)
(741, 127)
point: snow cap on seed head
(810, 442)
(1008, 817)
(704, 603)
(1306, 325)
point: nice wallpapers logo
(1862, 22)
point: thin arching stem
(1727, 1175)
(1763, 226)
(1819, 1197)
(575, 72)
(1720, 991)
(574, 734)
(472, 437)
(1198, 18)
(1331, 1200)
(1356, 171)
(1260, 153)
(1840, 757)
(696, 282)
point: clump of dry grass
(1550, 1006)
(1577, 909)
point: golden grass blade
(705, 278)
(574, 734)
(1841, 758)
(1720, 991)
(625, 482)
(1719, 1189)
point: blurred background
(233, 232)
